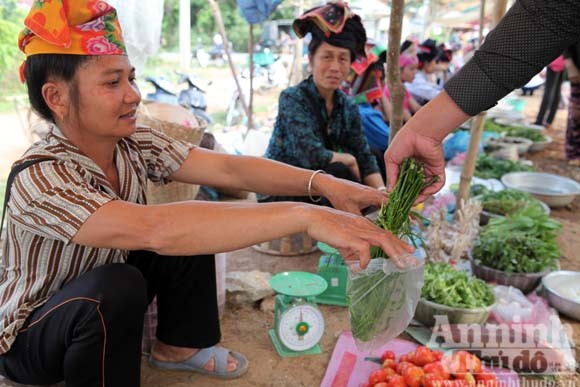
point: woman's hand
(354, 235)
(409, 143)
(348, 196)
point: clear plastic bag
(382, 299)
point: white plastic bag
(382, 301)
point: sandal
(197, 362)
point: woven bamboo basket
(178, 123)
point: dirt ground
(245, 328)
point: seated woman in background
(317, 126)
(84, 254)
(408, 66)
(423, 88)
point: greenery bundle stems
(372, 303)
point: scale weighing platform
(332, 268)
(298, 323)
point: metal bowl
(427, 310)
(540, 145)
(560, 288)
(554, 190)
(526, 282)
(520, 143)
(508, 122)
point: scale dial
(301, 327)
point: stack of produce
(424, 367)
(449, 242)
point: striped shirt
(49, 203)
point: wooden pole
(396, 87)
(498, 11)
(251, 104)
(299, 48)
(474, 139)
(479, 121)
(218, 18)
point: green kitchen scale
(298, 323)
(332, 268)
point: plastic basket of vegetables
(382, 298)
(452, 293)
(517, 250)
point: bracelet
(383, 189)
(310, 185)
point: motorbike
(192, 97)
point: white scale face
(301, 315)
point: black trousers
(89, 333)
(551, 97)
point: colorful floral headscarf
(74, 27)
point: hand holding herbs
(378, 296)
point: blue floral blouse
(298, 140)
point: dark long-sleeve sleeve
(573, 53)
(530, 36)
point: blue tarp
(257, 11)
(376, 130)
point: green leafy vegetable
(531, 134)
(446, 285)
(523, 242)
(488, 167)
(374, 293)
(507, 201)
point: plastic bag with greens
(382, 301)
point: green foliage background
(10, 56)
(203, 25)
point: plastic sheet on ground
(348, 367)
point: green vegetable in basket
(520, 131)
(446, 285)
(374, 293)
(507, 201)
(488, 167)
(523, 242)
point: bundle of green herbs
(446, 285)
(377, 295)
(507, 201)
(523, 242)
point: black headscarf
(335, 24)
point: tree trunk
(299, 48)
(396, 88)
(251, 104)
(218, 18)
